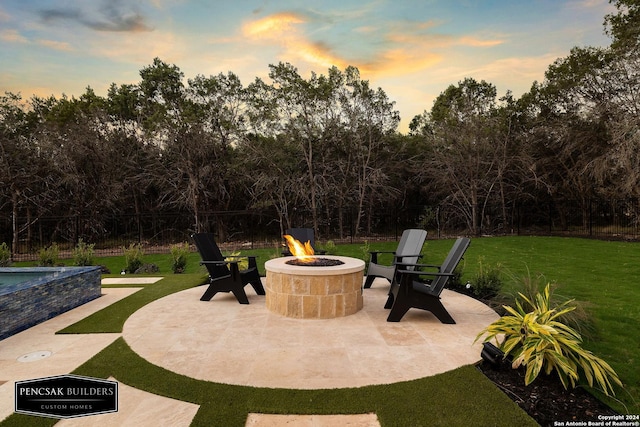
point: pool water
(7, 279)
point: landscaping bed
(545, 399)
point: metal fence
(156, 232)
(602, 219)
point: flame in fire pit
(304, 255)
(303, 252)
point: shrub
(48, 257)
(133, 257)
(455, 281)
(83, 253)
(366, 256)
(487, 282)
(5, 255)
(179, 253)
(428, 216)
(330, 248)
(537, 340)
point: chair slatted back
(209, 251)
(450, 263)
(411, 243)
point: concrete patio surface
(223, 341)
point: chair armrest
(398, 258)
(432, 286)
(233, 264)
(219, 262)
(400, 265)
(241, 256)
(426, 273)
(374, 255)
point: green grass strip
(460, 397)
(111, 319)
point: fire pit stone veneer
(306, 292)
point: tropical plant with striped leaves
(534, 335)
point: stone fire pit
(317, 292)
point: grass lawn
(605, 274)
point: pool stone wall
(26, 304)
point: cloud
(12, 36)
(4, 17)
(284, 29)
(475, 42)
(395, 48)
(414, 47)
(56, 45)
(111, 18)
(274, 26)
(143, 47)
(288, 31)
(515, 73)
(587, 4)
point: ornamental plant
(179, 253)
(243, 262)
(83, 253)
(133, 257)
(537, 339)
(366, 256)
(487, 282)
(5, 255)
(48, 257)
(330, 247)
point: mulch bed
(545, 399)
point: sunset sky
(413, 50)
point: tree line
(327, 143)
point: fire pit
(315, 262)
(304, 291)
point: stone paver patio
(223, 341)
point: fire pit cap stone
(350, 265)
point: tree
(200, 158)
(75, 134)
(334, 126)
(162, 98)
(137, 158)
(369, 119)
(303, 110)
(468, 151)
(616, 170)
(22, 164)
(623, 26)
(586, 125)
(272, 167)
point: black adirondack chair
(302, 235)
(407, 292)
(408, 252)
(225, 276)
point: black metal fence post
(590, 219)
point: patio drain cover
(35, 356)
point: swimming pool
(31, 295)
